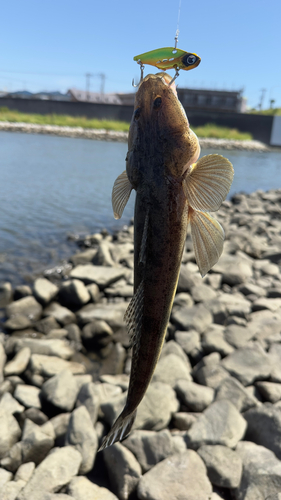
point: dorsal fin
(207, 238)
(208, 182)
(120, 194)
(134, 313)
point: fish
(173, 189)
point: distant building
(213, 100)
(93, 97)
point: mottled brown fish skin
(161, 149)
(161, 146)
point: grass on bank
(209, 130)
(269, 111)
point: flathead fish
(172, 190)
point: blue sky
(51, 45)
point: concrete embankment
(110, 135)
(210, 423)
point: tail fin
(120, 429)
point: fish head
(160, 128)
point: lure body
(169, 58)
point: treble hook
(141, 78)
(176, 75)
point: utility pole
(263, 91)
(102, 77)
(88, 76)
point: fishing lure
(168, 58)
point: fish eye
(157, 102)
(189, 59)
(137, 114)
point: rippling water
(53, 186)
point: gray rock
(188, 277)
(221, 424)
(36, 441)
(74, 293)
(19, 363)
(232, 390)
(149, 447)
(200, 293)
(49, 347)
(10, 432)
(98, 333)
(61, 390)
(58, 333)
(61, 314)
(6, 294)
(271, 391)
(104, 392)
(121, 380)
(19, 322)
(44, 290)
(37, 416)
(94, 292)
(103, 256)
(103, 276)
(89, 397)
(188, 340)
(114, 362)
(25, 471)
(83, 257)
(234, 269)
(27, 306)
(261, 472)
(5, 476)
(213, 341)
(82, 435)
(123, 469)
(264, 427)
(266, 303)
(224, 466)
(22, 291)
(251, 288)
(184, 420)
(52, 365)
(182, 300)
(3, 359)
(237, 335)
(170, 369)
(218, 310)
(210, 375)
(60, 424)
(183, 475)
(11, 489)
(196, 397)
(112, 313)
(235, 304)
(28, 395)
(56, 470)
(81, 488)
(192, 318)
(248, 364)
(154, 412)
(47, 324)
(10, 405)
(173, 347)
(13, 457)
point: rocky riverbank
(209, 426)
(110, 135)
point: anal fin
(134, 313)
(120, 194)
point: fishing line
(178, 25)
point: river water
(55, 186)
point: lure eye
(157, 102)
(188, 60)
(137, 114)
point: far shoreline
(111, 135)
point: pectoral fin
(207, 237)
(208, 182)
(120, 194)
